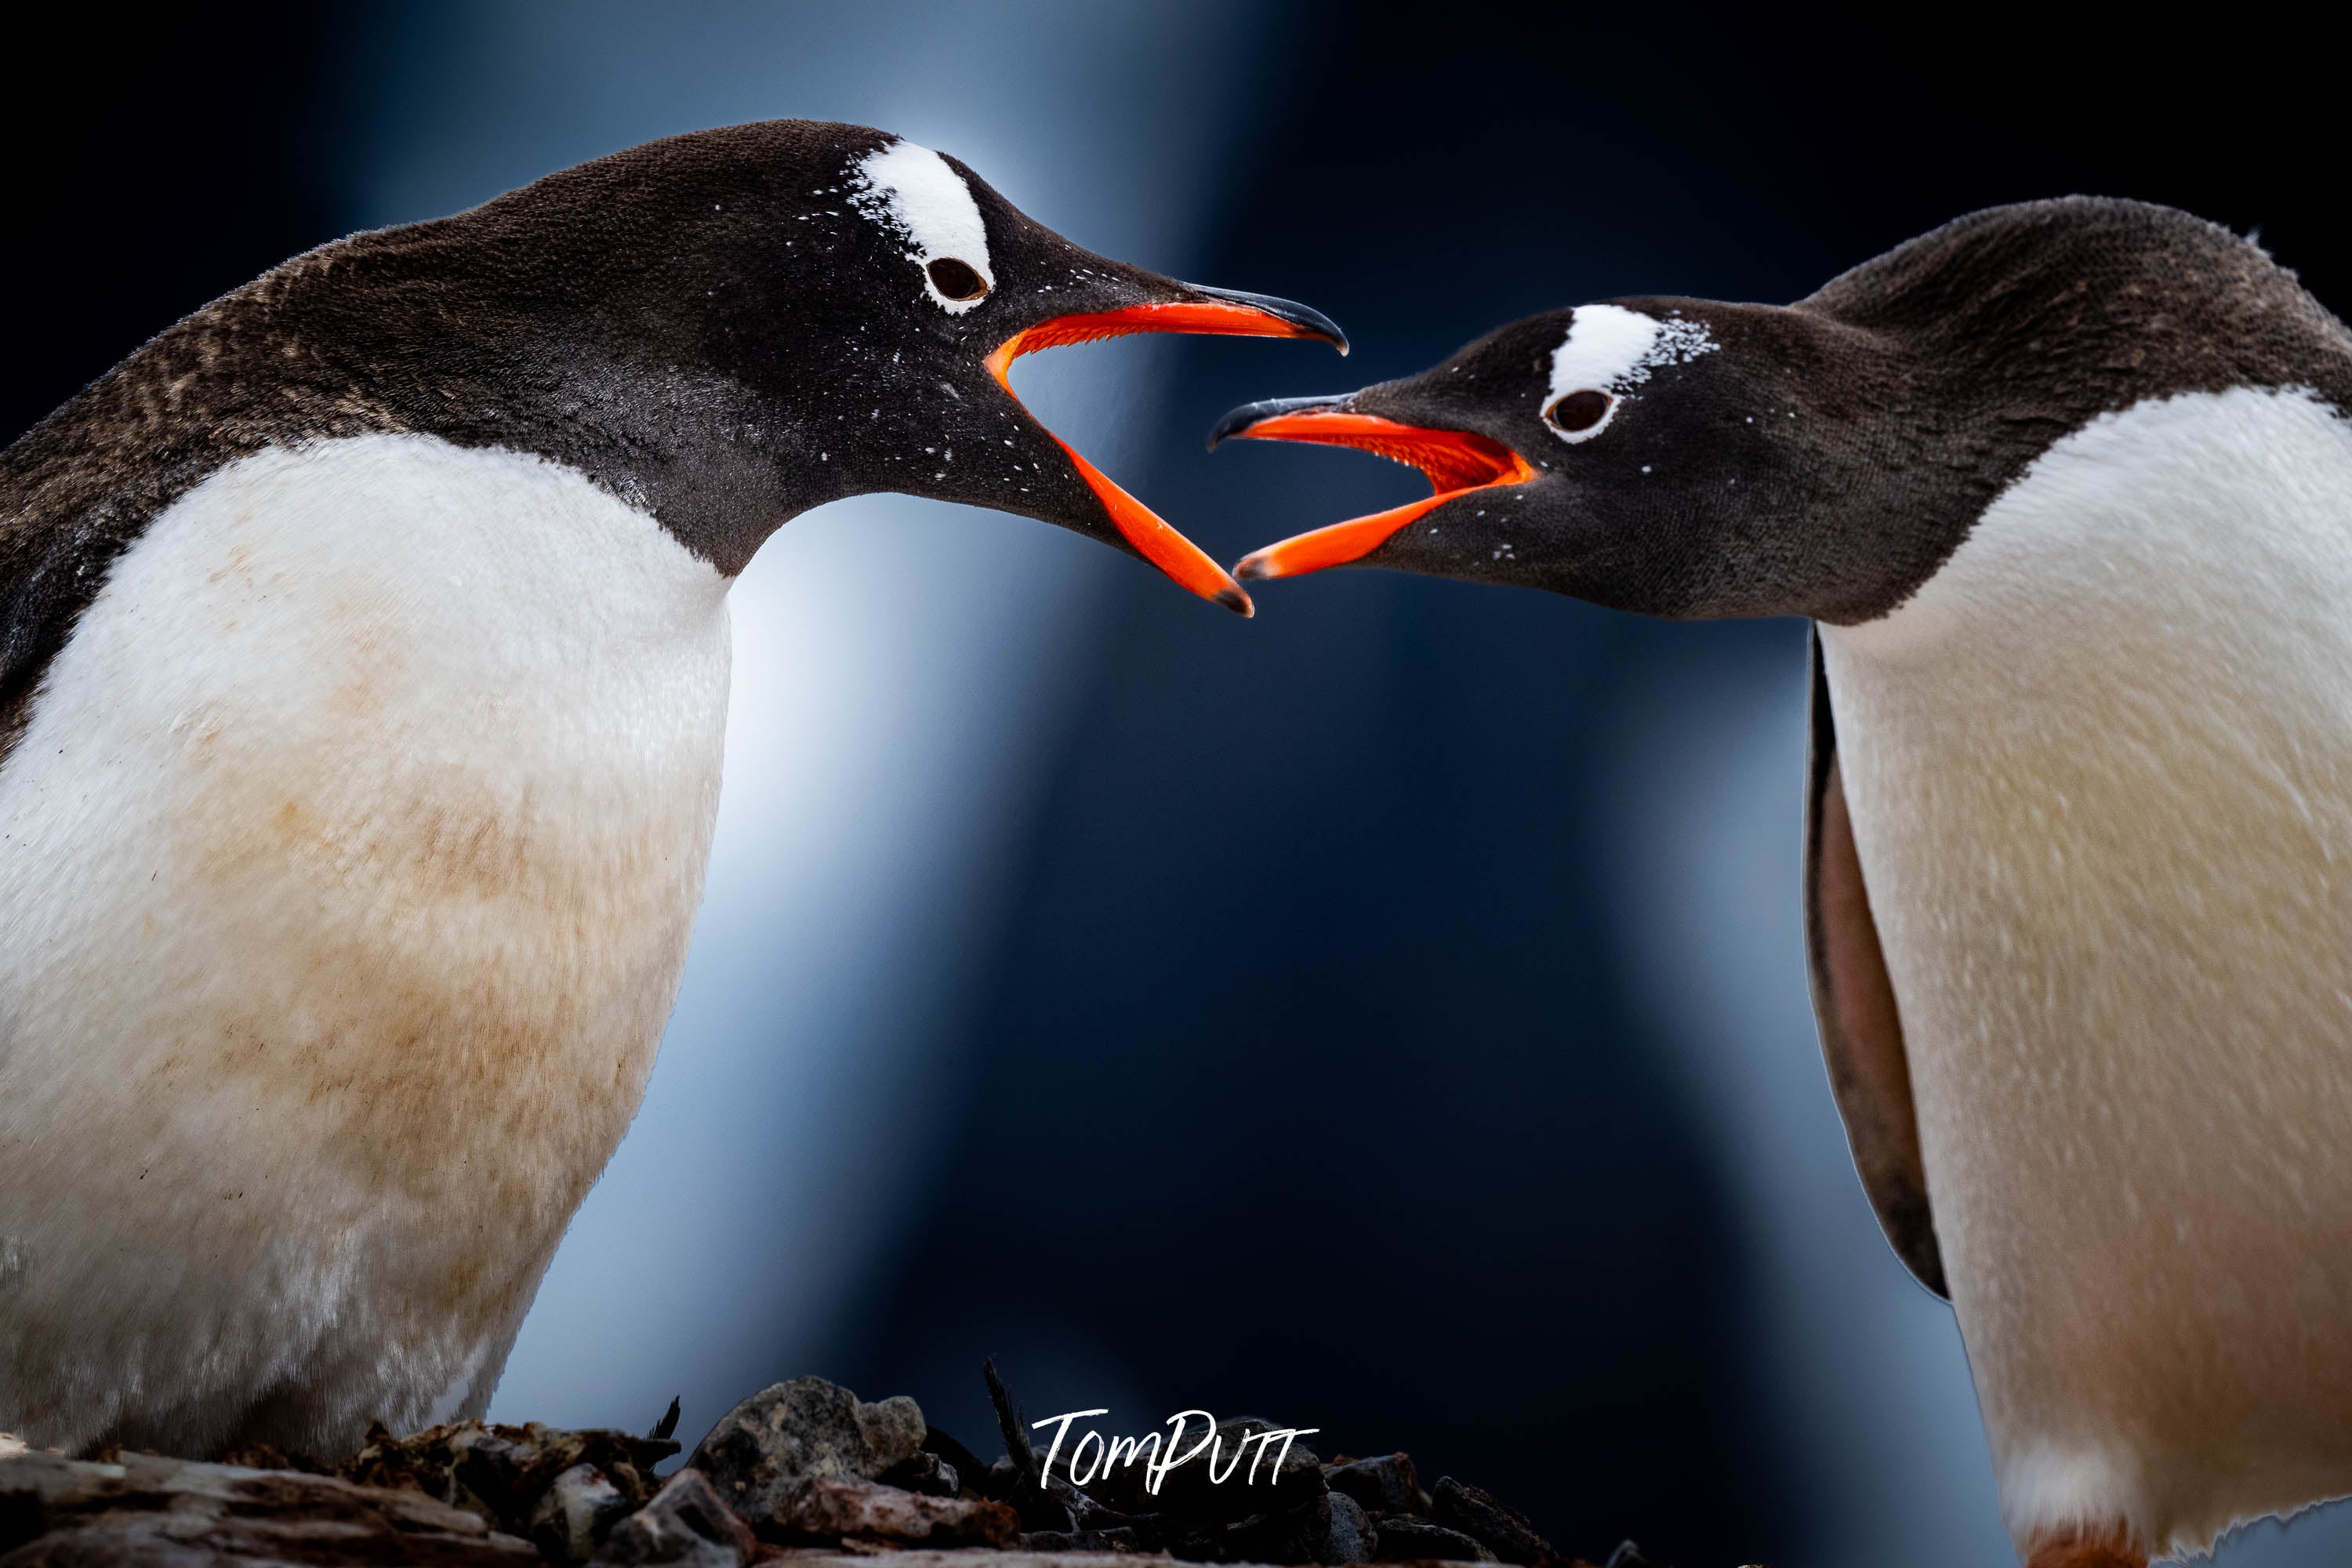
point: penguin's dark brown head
(734, 325)
(1687, 457)
(1657, 455)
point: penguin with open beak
(363, 662)
(2066, 491)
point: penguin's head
(1689, 457)
(1662, 456)
(739, 324)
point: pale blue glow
(899, 664)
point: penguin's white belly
(347, 868)
(2101, 776)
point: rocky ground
(803, 1469)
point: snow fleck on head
(913, 193)
(1609, 350)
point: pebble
(796, 1431)
(1411, 1540)
(1476, 1514)
(686, 1524)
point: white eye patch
(1610, 349)
(913, 193)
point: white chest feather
(2101, 774)
(347, 868)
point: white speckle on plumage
(1611, 350)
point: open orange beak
(1231, 315)
(1455, 462)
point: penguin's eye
(1580, 415)
(956, 280)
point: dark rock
(154, 1512)
(926, 1473)
(1294, 1534)
(1249, 1477)
(686, 1524)
(798, 1431)
(268, 1456)
(1038, 1509)
(576, 1513)
(835, 1508)
(1351, 1536)
(1412, 1540)
(971, 1469)
(1384, 1485)
(501, 1472)
(1477, 1514)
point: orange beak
(1156, 542)
(1455, 462)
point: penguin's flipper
(1854, 1002)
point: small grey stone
(893, 1432)
(575, 1514)
(686, 1524)
(1385, 1485)
(797, 1431)
(1475, 1513)
(1294, 1534)
(926, 1473)
(1350, 1537)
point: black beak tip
(1238, 421)
(1238, 601)
(1312, 322)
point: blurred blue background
(1387, 1016)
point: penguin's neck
(2156, 604)
(2100, 770)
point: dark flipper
(1853, 1002)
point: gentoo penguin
(363, 662)
(2066, 489)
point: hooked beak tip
(1242, 421)
(1302, 321)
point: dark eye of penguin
(1598, 370)
(1579, 411)
(957, 279)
